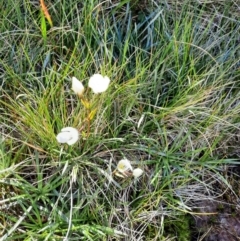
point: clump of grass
(172, 109)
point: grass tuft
(171, 109)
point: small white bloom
(68, 135)
(98, 83)
(124, 165)
(77, 86)
(137, 172)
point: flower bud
(137, 172)
(77, 86)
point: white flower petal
(72, 141)
(124, 165)
(137, 172)
(77, 86)
(68, 135)
(98, 83)
(69, 129)
(63, 137)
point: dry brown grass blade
(45, 12)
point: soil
(220, 218)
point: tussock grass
(172, 109)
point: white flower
(124, 165)
(77, 86)
(98, 83)
(68, 135)
(137, 172)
